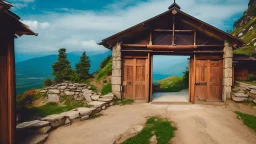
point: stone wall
(116, 70)
(78, 91)
(227, 71)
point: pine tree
(62, 69)
(83, 67)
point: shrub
(26, 99)
(106, 89)
(251, 77)
(48, 82)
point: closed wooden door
(201, 80)
(208, 84)
(135, 78)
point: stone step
(97, 104)
(242, 95)
(239, 99)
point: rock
(104, 107)
(43, 91)
(41, 124)
(97, 104)
(71, 114)
(253, 92)
(254, 44)
(84, 117)
(254, 101)
(85, 111)
(153, 140)
(36, 139)
(105, 100)
(87, 94)
(44, 130)
(79, 98)
(252, 87)
(251, 28)
(68, 93)
(239, 99)
(136, 129)
(67, 122)
(241, 34)
(109, 96)
(28, 124)
(235, 90)
(62, 87)
(56, 120)
(89, 87)
(53, 98)
(95, 97)
(54, 91)
(71, 87)
(242, 95)
(254, 39)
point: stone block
(227, 82)
(71, 114)
(54, 91)
(116, 88)
(227, 63)
(116, 64)
(116, 80)
(117, 72)
(117, 94)
(116, 58)
(84, 111)
(228, 73)
(53, 98)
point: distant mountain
(245, 29)
(32, 73)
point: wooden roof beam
(165, 30)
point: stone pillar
(227, 71)
(116, 70)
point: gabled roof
(20, 28)
(118, 37)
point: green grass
(95, 116)
(249, 82)
(68, 103)
(106, 89)
(248, 120)
(162, 128)
(123, 102)
(172, 84)
(104, 72)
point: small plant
(123, 102)
(106, 89)
(48, 82)
(251, 77)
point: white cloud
(35, 25)
(80, 30)
(19, 4)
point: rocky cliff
(245, 29)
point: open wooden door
(135, 78)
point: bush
(26, 99)
(106, 89)
(251, 77)
(48, 82)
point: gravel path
(196, 124)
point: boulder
(35, 139)
(87, 94)
(153, 140)
(44, 130)
(67, 122)
(54, 91)
(53, 98)
(84, 111)
(68, 93)
(71, 114)
(84, 117)
(97, 104)
(95, 97)
(56, 120)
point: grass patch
(162, 128)
(248, 120)
(105, 71)
(95, 116)
(172, 84)
(106, 89)
(249, 82)
(123, 102)
(247, 50)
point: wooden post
(194, 36)
(150, 38)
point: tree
(83, 67)
(62, 69)
(48, 82)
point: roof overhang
(109, 42)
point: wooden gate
(208, 80)
(135, 78)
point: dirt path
(195, 124)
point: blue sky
(79, 25)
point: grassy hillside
(245, 29)
(172, 84)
